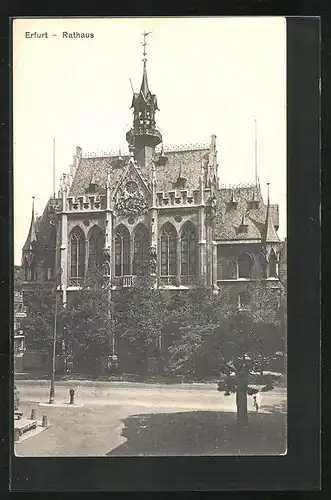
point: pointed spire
(144, 89)
(270, 233)
(32, 235)
(144, 131)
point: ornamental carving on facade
(152, 259)
(106, 262)
(131, 204)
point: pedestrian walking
(257, 401)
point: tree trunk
(241, 400)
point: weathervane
(144, 43)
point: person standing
(257, 401)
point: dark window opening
(122, 252)
(168, 251)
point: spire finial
(144, 43)
(268, 184)
(33, 197)
(54, 168)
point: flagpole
(53, 168)
(255, 130)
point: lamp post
(52, 388)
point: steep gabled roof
(187, 164)
(98, 167)
(229, 217)
(271, 235)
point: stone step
(24, 424)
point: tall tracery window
(188, 251)
(95, 249)
(122, 251)
(140, 249)
(77, 246)
(244, 265)
(168, 250)
(272, 265)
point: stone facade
(168, 206)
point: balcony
(123, 281)
(76, 282)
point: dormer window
(181, 183)
(254, 203)
(92, 187)
(243, 228)
(233, 203)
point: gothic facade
(167, 206)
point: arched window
(168, 250)
(122, 251)
(272, 265)
(77, 252)
(226, 268)
(244, 265)
(95, 249)
(188, 251)
(262, 266)
(140, 249)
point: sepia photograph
(150, 239)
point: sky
(211, 76)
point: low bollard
(16, 435)
(72, 396)
(44, 422)
(33, 414)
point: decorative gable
(131, 193)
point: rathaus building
(114, 211)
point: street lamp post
(52, 388)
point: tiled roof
(232, 202)
(96, 167)
(230, 215)
(187, 163)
